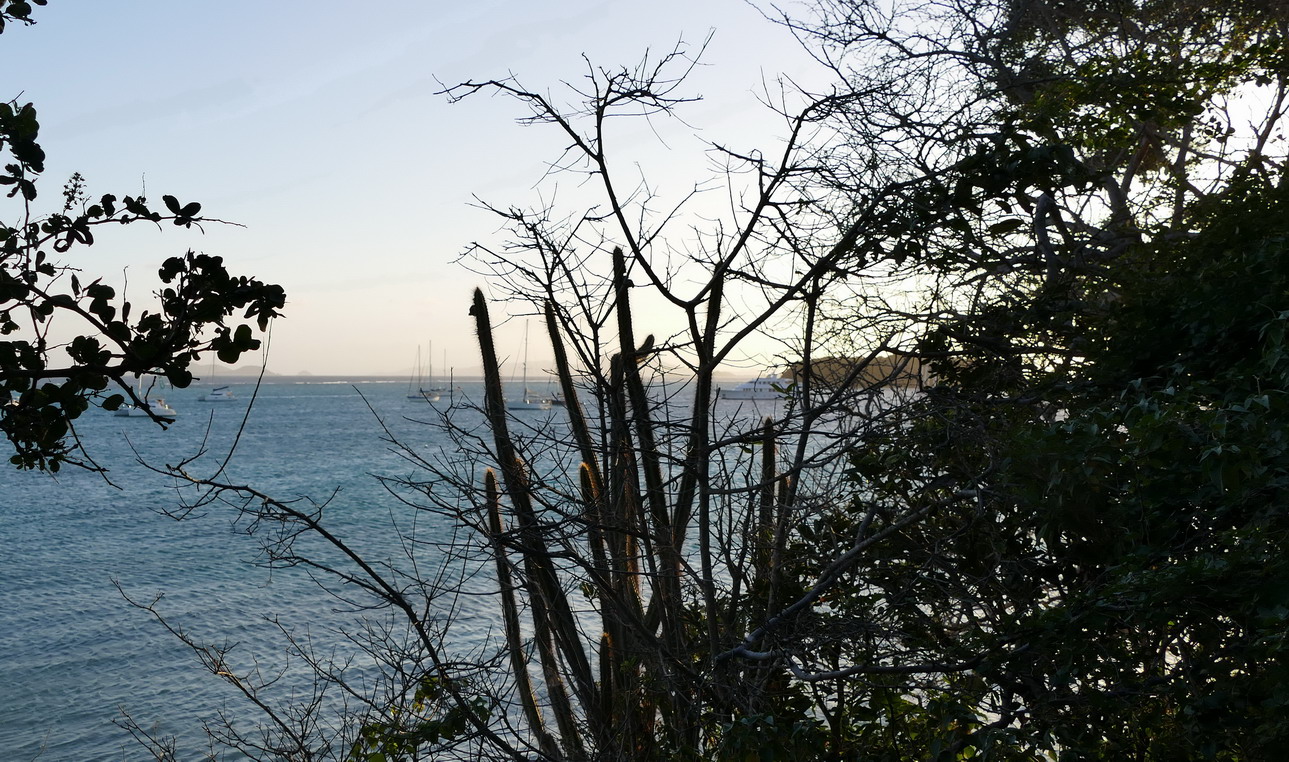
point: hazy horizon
(352, 182)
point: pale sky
(316, 126)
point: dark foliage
(48, 379)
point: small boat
(439, 387)
(218, 394)
(529, 401)
(416, 384)
(764, 388)
(157, 406)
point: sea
(76, 657)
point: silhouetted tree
(1064, 545)
(49, 375)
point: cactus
(648, 698)
(510, 616)
(555, 629)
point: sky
(317, 127)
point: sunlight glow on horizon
(321, 134)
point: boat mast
(414, 383)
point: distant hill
(249, 370)
(884, 369)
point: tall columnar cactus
(510, 617)
(561, 650)
(658, 690)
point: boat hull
(759, 389)
(218, 394)
(158, 407)
(529, 404)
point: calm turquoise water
(74, 654)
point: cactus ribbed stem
(510, 618)
(553, 623)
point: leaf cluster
(18, 10)
(113, 344)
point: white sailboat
(416, 385)
(218, 393)
(528, 401)
(156, 405)
(438, 387)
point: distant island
(254, 370)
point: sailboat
(439, 387)
(528, 401)
(219, 393)
(415, 386)
(156, 405)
